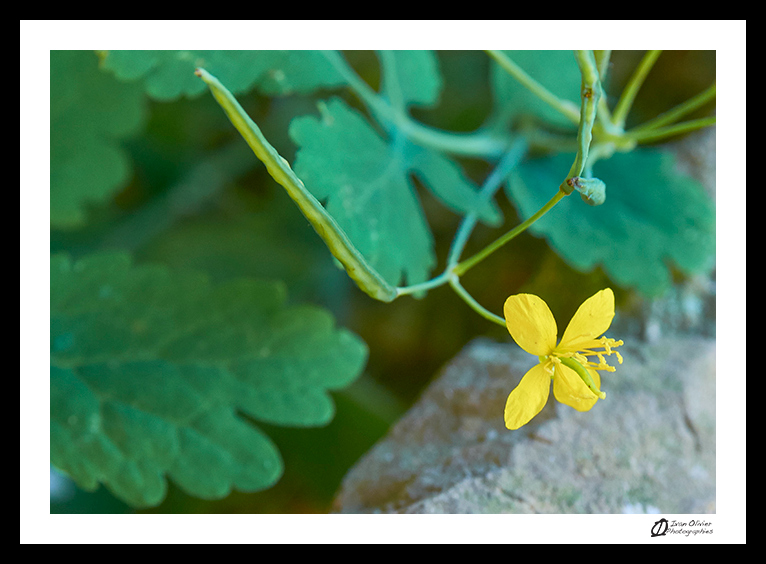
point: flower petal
(591, 320)
(528, 398)
(568, 388)
(530, 323)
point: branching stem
(646, 135)
(483, 144)
(594, 141)
(621, 110)
(677, 112)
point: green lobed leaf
(555, 70)
(364, 179)
(169, 74)
(150, 369)
(90, 113)
(364, 182)
(653, 216)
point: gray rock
(648, 447)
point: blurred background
(176, 212)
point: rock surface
(648, 447)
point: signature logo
(660, 528)
(686, 528)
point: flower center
(578, 360)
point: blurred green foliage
(635, 235)
(142, 163)
(166, 75)
(90, 113)
(149, 368)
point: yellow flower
(575, 378)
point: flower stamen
(586, 349)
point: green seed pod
(592, 190)
(366, 277)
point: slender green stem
(590, 94)
(467, 264)
(604, 114)
(678, 111)
(440, 280)
(602, 62)
(565, 107)
(360, 87)
(645, 136)
(476, 306)
(482, 143)
(491, 185)
(621, 110)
